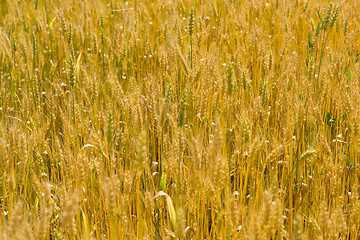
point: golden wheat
(179, 119)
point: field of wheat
(179, 119)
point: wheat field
(179, 119)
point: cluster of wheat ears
(179, 119)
